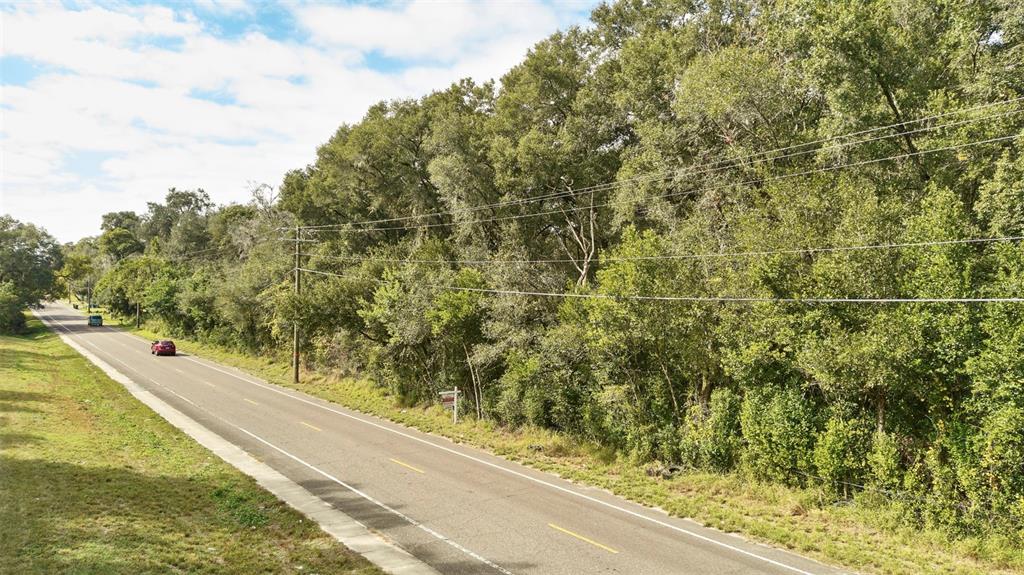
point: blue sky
(106, 105)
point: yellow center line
(582, 538)
(249, 400)
(416, 469)
(313, 427)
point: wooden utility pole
(295, 321)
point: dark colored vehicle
(162, 347)
(95, 321)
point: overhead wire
(800, 251)
(695, 299)
(708, 255)
(689, 192)
(735, 299)
(257, 239)
(718, 165)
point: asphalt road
(458, 509)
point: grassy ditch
(867, 535)
(92, 481)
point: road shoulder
(348, 531)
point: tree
(77, 269)
(125, 220)
(160, 219)
(29, 258)
(119, 243)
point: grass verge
(92, 481)
(867, 536)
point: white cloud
(226, 6)
(426, 29)
(126, 86)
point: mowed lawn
(92, 481)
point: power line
(256, 239)
(189, 255)
(695, 299)
(687, 171)
(711, 167)
(799, 251)
(689, 192)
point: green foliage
(884, 462)
(779, 429)
(12, 320)
(125, 220)
(522, 399)
(1000, 204)
(840, 454)
(119, 243)
(712, 438)
(1001, 456)
(29, 260)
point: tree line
(728, 152)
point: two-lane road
(458, 509)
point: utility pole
(295, 321)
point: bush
(1002, 464)
(515, 392)
(778, 428)
(711, 440)
(840, 454)
(884, 461)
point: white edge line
(347, 530)
(378, 503)
(495, 466)
(362, 494)
(512, 471)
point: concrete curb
(349, 532)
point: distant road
(458, 509)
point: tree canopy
(29, 258)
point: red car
(162, 347)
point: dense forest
(770, 238)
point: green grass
(867, 536)
(92, 481)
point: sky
(104, 106)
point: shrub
(1002, 463)
(884, 461)
(514, 386)
(778, 428)
(840, 454)
(711, 440)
